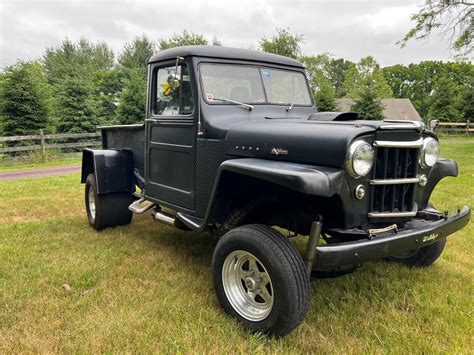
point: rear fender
(113, 169)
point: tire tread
(295, 272)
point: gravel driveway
(38, 173)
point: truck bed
(127, 137)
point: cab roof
(224, 53)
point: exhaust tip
(163, 217)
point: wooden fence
(452, 128)
(42, 139)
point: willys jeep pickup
(233, 144)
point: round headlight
(360, 159)
(429, 152)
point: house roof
(224, 53)
(394, 109)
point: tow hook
(372, 233)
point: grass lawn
(147, 287)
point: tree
(132, 99)
(455, 19)
(135, 55)
(466, 104)
(323, 91)
(72, 108)
(73, 63)
(419, 82)
(400, 79)
(24, 108)
(325, 97)
(283, 43)
(366, 74)
(106, 86)
(132, 76)
(333, 69)
(336, 71)
(443, 105)
(79, 59)
(185, 38)
(367, 104)
(416, 82)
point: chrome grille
(392, 187)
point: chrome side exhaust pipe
(163, 217)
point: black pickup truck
(233, 144)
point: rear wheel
(260, 279)
(106, 210)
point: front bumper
(416, 234)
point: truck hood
(297, 140)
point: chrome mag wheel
(91, 201)
(247, 285)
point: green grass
(457, 137)
(147, 287)
(37, 162)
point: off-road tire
(110, 209)
(285, 267)
(423, 257)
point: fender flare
(309, 179)
(113, 169)
(444, 167)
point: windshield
(253, 85)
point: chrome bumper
(417, 233)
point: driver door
(171, 138)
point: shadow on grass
(374, 285)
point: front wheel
(421, 257)
(260, 279)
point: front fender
(309, 179)
(444, 167)
(113, 169)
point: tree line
(77, 86)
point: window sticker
(265, 73)
(210, 97)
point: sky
(350, 29)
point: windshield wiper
(293, 101)
(250, 107)
(291, 106)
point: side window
(174, 96)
